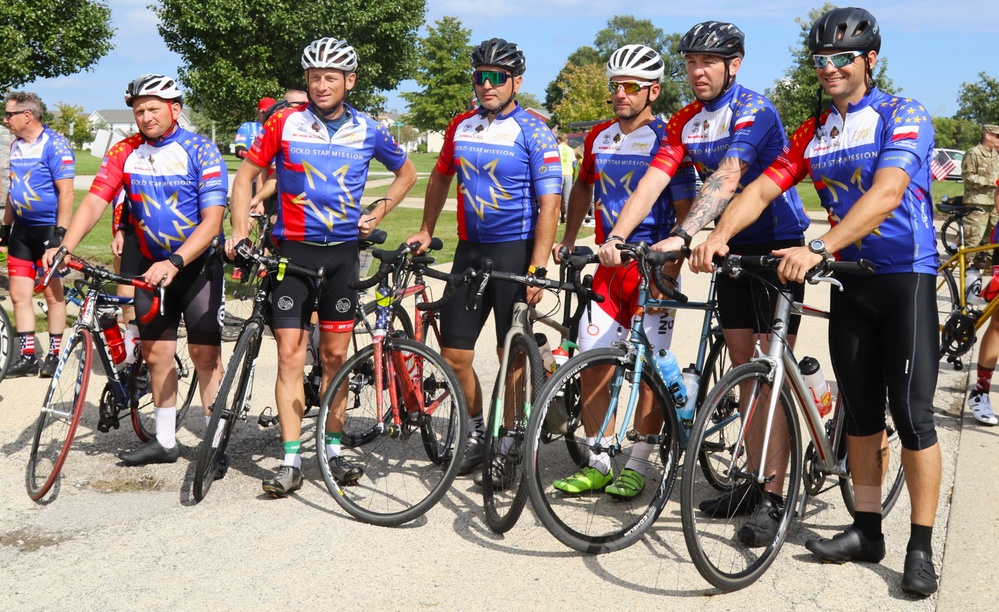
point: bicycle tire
(717, 365)
(60, 415)
(894, 473)
(593, 522)
(714, 543)
(141, 397)
(6, 342)
(230, 404)
(955, 339)
(402, 478)
(509, 410)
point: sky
(932, 47)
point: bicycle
(713, 542)
(606, 382)
(404, 416)
(6, 340)
(959, 319)
(66, 397)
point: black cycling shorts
(747, 302)
(460, 328)
(25, 247)
(292, 299)
(884, 342)
(196, 292)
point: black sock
(920, 538)
(869, 524)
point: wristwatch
(177, 261)
(678, 232)
(818, 246)
(537, 271)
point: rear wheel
(60, 415)
(723, 436)
(951, 235)
(503, 490)
(957, 327)
(407, 466)
(894, 480)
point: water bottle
(547, 357)
(560, 354)
(817, 385)
(132, 345)
(692, 381)
(557, 417)
(113, 338)
(669, 371)
(973, 286)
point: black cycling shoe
(223, 467)
(919, 577)
(344, 472)
(761, 528)
(150, 452)
(23, 367)
(475, 452)
(48, 366)
(503, 471)
(851, 545)
(743, 499)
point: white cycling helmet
(636, 61)
(157, 85)
(330, 53)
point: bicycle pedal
(267, 418)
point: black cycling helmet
(499, 52)
(714, 38)
(845, 29)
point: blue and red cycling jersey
(167, 184)
(246, 133)
(320, 177)
(34, 169)
(744, 125)
(842, 157)
(614, 163)
(503, 167)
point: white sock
(641, 454)
(293, 459)
(600, 460)
(333, 450)
(476, 426)
(208, 419)
(166, 426)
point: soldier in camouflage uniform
(980, 169)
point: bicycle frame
(958, 263)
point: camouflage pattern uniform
(980, 169)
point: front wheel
(894, 479)
(408, 462)
(732, 548)
(60, 415)
(6, 342)
(503, 490)
(594, 521)
(141, 396)
(231, 403)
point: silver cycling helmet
(636, 61)
(330, 53)
(157, 85)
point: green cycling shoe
(627, 485)
(586, 479)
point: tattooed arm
(715, 195)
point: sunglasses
(629, 87)
(493, 77)
(9, 114)
(838, 60)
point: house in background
(110, 126)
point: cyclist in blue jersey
(39, 206)
(509, 194)
(175, 185)
(321, 154)
(868, 156)
(247, 132)
(732, 134)
(616, 155)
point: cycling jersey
(34, 169)
(167, 184)
(614, 163)
(504, 167)
(744, 125)
(842, 156)
(246, 133)
(320, 177)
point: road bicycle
(404, 417)
(960, 319)
(6, 340)
(65, 399)
(753, 389)
(619, 390)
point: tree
(529, 100)
(795, 95)
(959, 134)
(584, 94)
(582, 56)
(237, 51)
(50, 38)
(444, 73)
(979, 102)
(72, 123)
